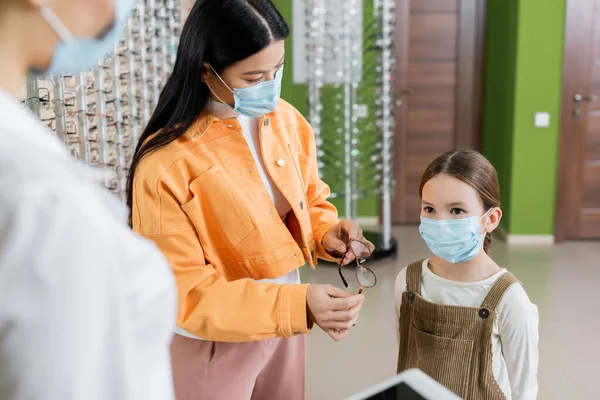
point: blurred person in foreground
(87, 308)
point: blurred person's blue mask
(454, 240)
(257, 100)
(78, 54)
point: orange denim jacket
(202, 201)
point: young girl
(462, 319)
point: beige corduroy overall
(452, 344)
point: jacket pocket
(303, 165)
(446, 360)
(216, 211)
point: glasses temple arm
(342, 276)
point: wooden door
(578, 194)
(439, 79)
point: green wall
(297, 95)
(524, 55)
(500, 62)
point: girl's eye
(254, 80)
(457, 211)
(429, 210)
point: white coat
(87, 308)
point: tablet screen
(400, 391)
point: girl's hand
(338, 238)
(333, 310)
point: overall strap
(413, 277)
(493, 298)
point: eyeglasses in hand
(365, 277)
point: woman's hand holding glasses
(347, 241)
(339, 240)
(334, 310)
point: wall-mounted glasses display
(99, 114)
(350, 60)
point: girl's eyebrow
(456, 204)
(426, 203)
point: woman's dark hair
(220, 33)
(473, 169)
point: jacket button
(266, 121)
(484, 313)
(302, 205)
(281, 162)
(411, 296)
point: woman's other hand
(333, 310)
(336, 241)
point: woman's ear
(492, 220)
(205, 71)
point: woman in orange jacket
(225, 182)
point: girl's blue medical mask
(78, 54)
(454, 240)
(257, 100)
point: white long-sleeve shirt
(87, 307)
(515, 334)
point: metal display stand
(99, 114)
(350, 62)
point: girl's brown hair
(473, 169)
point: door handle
(577, 98)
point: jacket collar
(199, 128)
(213, 113)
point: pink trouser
(270, 369)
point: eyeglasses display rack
(350, 61)
(99, 114)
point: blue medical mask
(257, 100)
(454, 240)
(78, 54)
